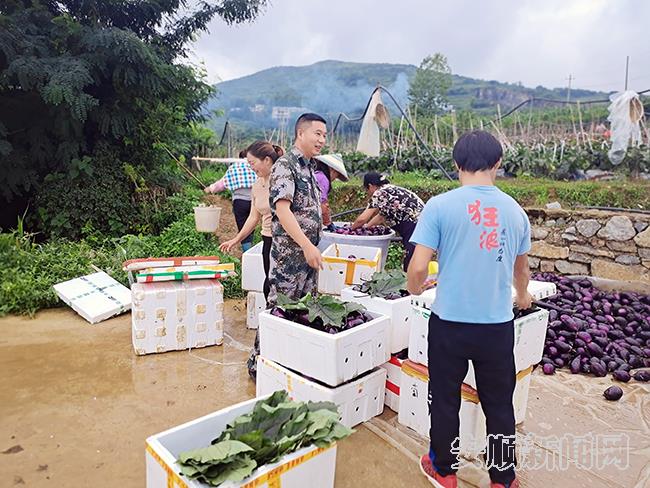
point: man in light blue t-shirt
(482, 237)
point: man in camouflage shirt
(296, 218)
(295, 206)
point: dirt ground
(227, 225)
(77, 405)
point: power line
(559, 102)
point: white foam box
(530, 333)
(340, 271)
(393, 381)
(358, 400)
(176, 315)
(309, 466)
(255, 305)
(414, 406)
(252, 269)
(414, 409)
(399, 312)
(95, 297)
(330, 358)
(538, 289)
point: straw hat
(334, 161)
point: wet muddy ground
(77, 405)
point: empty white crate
(399, 312)
(340, 271)
(175, 315)
(255, 305)
(252, 269)
(358, 400)
(393, 381)
(310, 466)
(414, 406)
(95, 297)
(330, 358)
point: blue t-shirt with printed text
(478, 232)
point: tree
(429, 86)
(79, 75)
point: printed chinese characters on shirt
(491, 237)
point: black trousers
(266, 259)
(490, 347)
(241, 209)
(405, 230)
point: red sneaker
(435, 478)
(513, 484)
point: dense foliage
(555, 160)
(84, 85)
(429, 86)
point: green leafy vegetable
(275, 427)
(332, 311)
(389, 284)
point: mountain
(331, 87)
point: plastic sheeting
(625, 113)
(571, 434)
(376, 117)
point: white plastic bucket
(381, 242)
(207, 218)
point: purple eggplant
(575, 365)
(584, 336)
(595, 349)
(613, 393)
(620, 375)
(548, 369)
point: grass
(529, 192)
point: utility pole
(568, 93)
(627, 67)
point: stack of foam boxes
(530, 333)
(252, 280)
(176, 315)
(399, 312)
(343, 368)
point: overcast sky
(534, 42)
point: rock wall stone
(589, 242)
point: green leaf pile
(384, 283)
(274, 428)
(331, 310)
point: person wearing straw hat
(329, 167)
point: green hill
(331, 87)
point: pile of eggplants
(595, 332)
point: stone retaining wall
(609, 245)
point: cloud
(537, 43)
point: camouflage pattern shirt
(293, 179)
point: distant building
(286, 113)
(257, 108)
